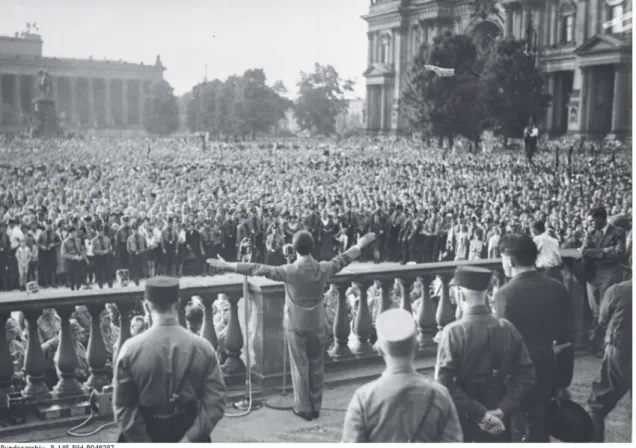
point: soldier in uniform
(74, 257)
(102, 248)
(137, 248)
(304, 318)
(402, 405)
(168, 385)
(483, 362)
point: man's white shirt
(549, 254)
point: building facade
(585, 47)
(89, 94)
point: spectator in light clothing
(493, 243)
(23, 255)
(402, 405)
(549, 260)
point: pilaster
(92, 116)
(108, 115)
(124, 101)
(73, 100)
(17, 95)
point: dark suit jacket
(541, 309)
(305, 282)
(614, 239)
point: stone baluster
(425, 315)
(363, 325)
(183, 302)
(406, 285)
(124, 325)
(341, 326)
(208, 332)
(97, 355)
(66, 358)
(385, 302)
(234, 339)
(34, 363)
(6, 360)
(444, 314)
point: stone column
(1, 116)
(370, 49)
(92, 116)
(368, 108)
(555, 25)
(587, 97)
(17, 96)
(107, 103)
(382, 108)
(397, 65)
(621, 104)
(142, 101)
(124, 101)
(73, 100)
(549, 122)
(510, 20)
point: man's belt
(168, 411)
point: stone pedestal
(45, 118)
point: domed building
(585, 47)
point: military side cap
(568, 422)
(396, 332)
(475, 279)
(162, 290)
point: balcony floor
(267, 425)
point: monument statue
(45, 83)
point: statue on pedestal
(45, 83)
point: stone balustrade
(267, 300)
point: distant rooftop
(26, 49)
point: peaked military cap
(396, 332)
(162, 290)
(469, 277)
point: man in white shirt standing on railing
(549, 260)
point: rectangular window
(567, 30)
(616, 16)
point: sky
(284, 37)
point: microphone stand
(283, 402)
(247, 404)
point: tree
(514, 88)
(261, 107)
(445, 107)
(321, 99)
(161, 112)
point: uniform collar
(476, 310)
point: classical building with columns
(585, 47)
(89, 94)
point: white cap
(396, 332)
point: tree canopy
(321, 98)
(161, 111)
(498, 88)
(239, 106)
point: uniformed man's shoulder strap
(177, 391)
(429, 406)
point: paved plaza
(267, 425)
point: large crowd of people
(74, 212)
